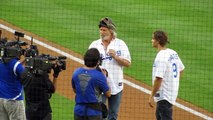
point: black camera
(32, 51)
(11, 49)
(59, 61)
(33, 61)
(44, 63)
(9, 53)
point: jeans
(163, 110)
(113, 105)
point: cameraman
(11, 90)
(88, 83)
(38, 90)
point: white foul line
(125, 81)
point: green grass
(64, 110)
(73, 24)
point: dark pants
(38, 110)
(48, 116)
(163, 110)
(76, 117)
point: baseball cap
(108, 23)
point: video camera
(11, 49)
(33, 61)
(44, 63)
(32, 51)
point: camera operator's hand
(56, 70)
(105, 72)
(101, 69)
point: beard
(105, 37)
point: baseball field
(68, 27)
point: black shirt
(37, 95)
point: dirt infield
(134, 104)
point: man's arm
(121, 61)
(156, 87)
(56, 71)
(55, 82)
(181, 73)
(108, 93)
(74, 90)
(73, 86)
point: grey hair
(113, 33)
